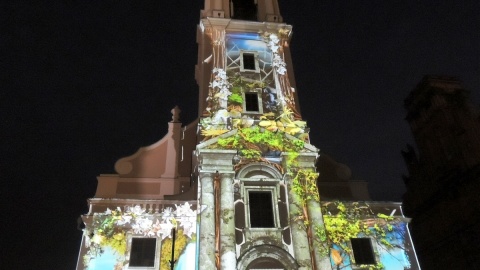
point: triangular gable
(308, 148)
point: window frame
(274, 197)
(258, 92)
(157, 252)
(355, 264)
(260, 203)
(255, 59)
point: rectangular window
(261, 209)
(363, 251)
(142, 252)
(251, 102)
(249, 61)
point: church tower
(237, 188)
(253, 146)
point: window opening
(261, 209)
(142, 252)
(244, 10)
(249, 61)
(363, 250)
(251, 102)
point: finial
(175, 114)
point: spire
(175, 114)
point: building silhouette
(444, 176)
(237, 188)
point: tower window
(244, 10)
(363, 250)
(251, 102)
(142, 252)
(249, 61)
(261, 209)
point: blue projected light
(243, 35)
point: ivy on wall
(257, 144)
(345, 221)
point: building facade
(237, 188)
(444, 177)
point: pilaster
(207, 223)
(227, 222)
(322, 260)
(299, 235)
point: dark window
(363, 250)
(244, 10)
(261, 209)
(251, 102)
(249, 61)
(142, 252)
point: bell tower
(255, 166)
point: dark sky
(88, 82)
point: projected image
(359, 236)
(252, 89)
(132, 238)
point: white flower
(279, 64)
(137, 210)
(273, 47)
(188, 229)
(97, 239)
(222, 75)
(87, 239)
(142, 225)
(274, 38)
(108, 211)
(281, 70)
(125, 219)
(136, 229)
(165, 230)
(167, 213)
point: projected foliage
(106, 239)
(344, 221)
(228, 86)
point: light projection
(345, 223)
(109, 238)
(257, 94)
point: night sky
(85, 83)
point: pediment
(213, 143)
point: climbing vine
(305, 185)
(352, 221)
(255, 144)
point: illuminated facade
(237, 189)
(444, 178)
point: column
(299, 235)
(207, 223)
(227, 223)
(322, 261)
